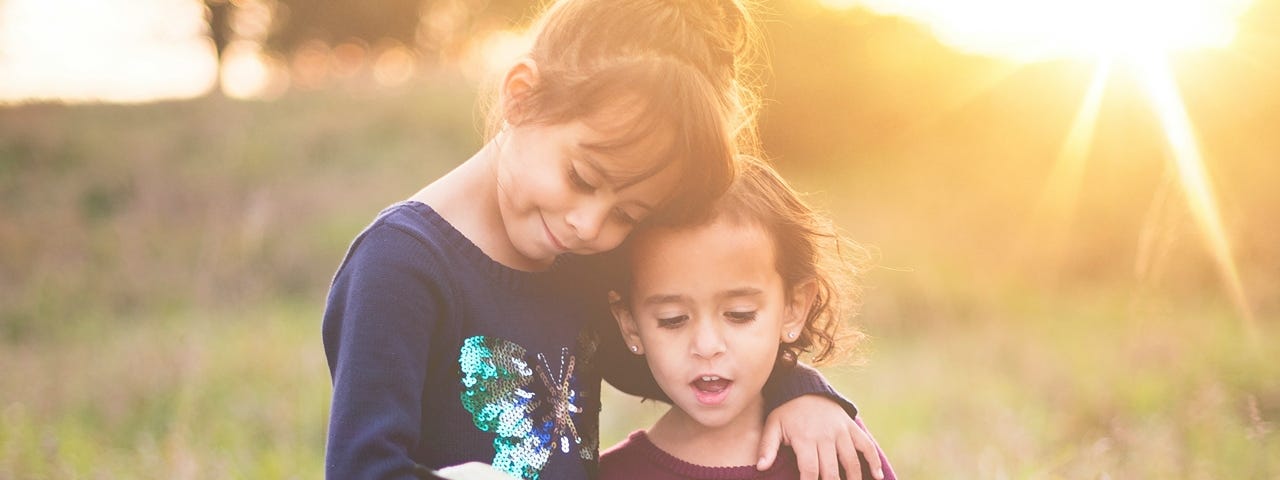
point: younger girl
(457, 327)
(718, 310)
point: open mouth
(711, 389)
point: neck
(467, 197)
(735, 443)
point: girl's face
(557, 195)
(708, 310)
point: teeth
(710, 378)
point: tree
(218, 15)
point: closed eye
(741, 317)
(672, 322)
(625, 217)
(579, 182)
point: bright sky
(1039, 29)
(1143, 34)
(137, 50)
(112, 50)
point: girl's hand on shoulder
(823, 437)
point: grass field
(163, 269)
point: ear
(516, 86)
(802, 297)
(622, 314)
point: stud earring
(634, 349)
(791, 335)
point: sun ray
(1053, 215)
(1057, 204)
(1145, 33)
(1167, 103)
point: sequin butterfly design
(529, 425)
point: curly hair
(807, 247)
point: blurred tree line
(285, 27)
(830, 84)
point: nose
(588, 220)
(708, 340)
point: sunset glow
(96, 50)
(1194, 178)
(144, 50)
(1039, 29)
(1057, 205)
(1143, 34)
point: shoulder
(409, 225)
(404, 237)
(396, 263)
(626, 448)
(625, 458)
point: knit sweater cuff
(790, 383)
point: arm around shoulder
(789, 382)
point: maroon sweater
(638, 458)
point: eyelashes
(672, 322)
(579, 182)
(679, 320)
(625, 217)
(582, 185)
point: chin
(711, 419)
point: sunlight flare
(1032, 30)
(1159, 85)
(1142, 33)
(104, 50)
(1057, 205)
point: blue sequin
(529, 425)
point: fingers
(807, 461)
(849, 457)
(862, 441)
(828, 462)
(770, 441)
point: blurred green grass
(163, 270)
(190, 395)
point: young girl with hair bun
(469, 323)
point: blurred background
(1074, 206)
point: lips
(711, 389)
(555, 243)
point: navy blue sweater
(440, 356)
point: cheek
(514, 181)
(758, 347)
(663, 353)
(543, 188)
(664, 367)
(613, 236)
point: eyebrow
(677, 298)
(742, 292)
(661, 299)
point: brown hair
(686, 64)
(807, 247)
